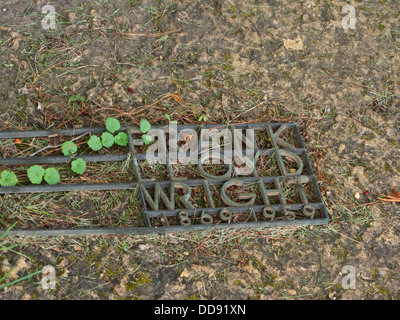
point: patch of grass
(383, 100)
(72, 210)
(12, 246)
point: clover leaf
(8, 179)
(78, 166)
(145, 126)
(52, 176)
(112, 125)
(35, 174)
(121, 139)
(107, 139)
(147, 139)
(69, 148)
(94, 143)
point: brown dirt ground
(291, 59)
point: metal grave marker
(260, 176)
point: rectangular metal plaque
(193, 177)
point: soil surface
(210, 62)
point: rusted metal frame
(144, 230)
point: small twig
(366, 204)
(156, 23)
(152, 35)
(258, 31)
(212, 84)
(252, 108)
(342, 80)
(146, 34)
(389, 198)
(56, 64)
(130, 114)
(57, 146)
(85, 108)
(109, 282)
(62, 74)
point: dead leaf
(395, 193)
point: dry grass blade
(57, 146)
(150, 35)
(54, 65)
(146, 34)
